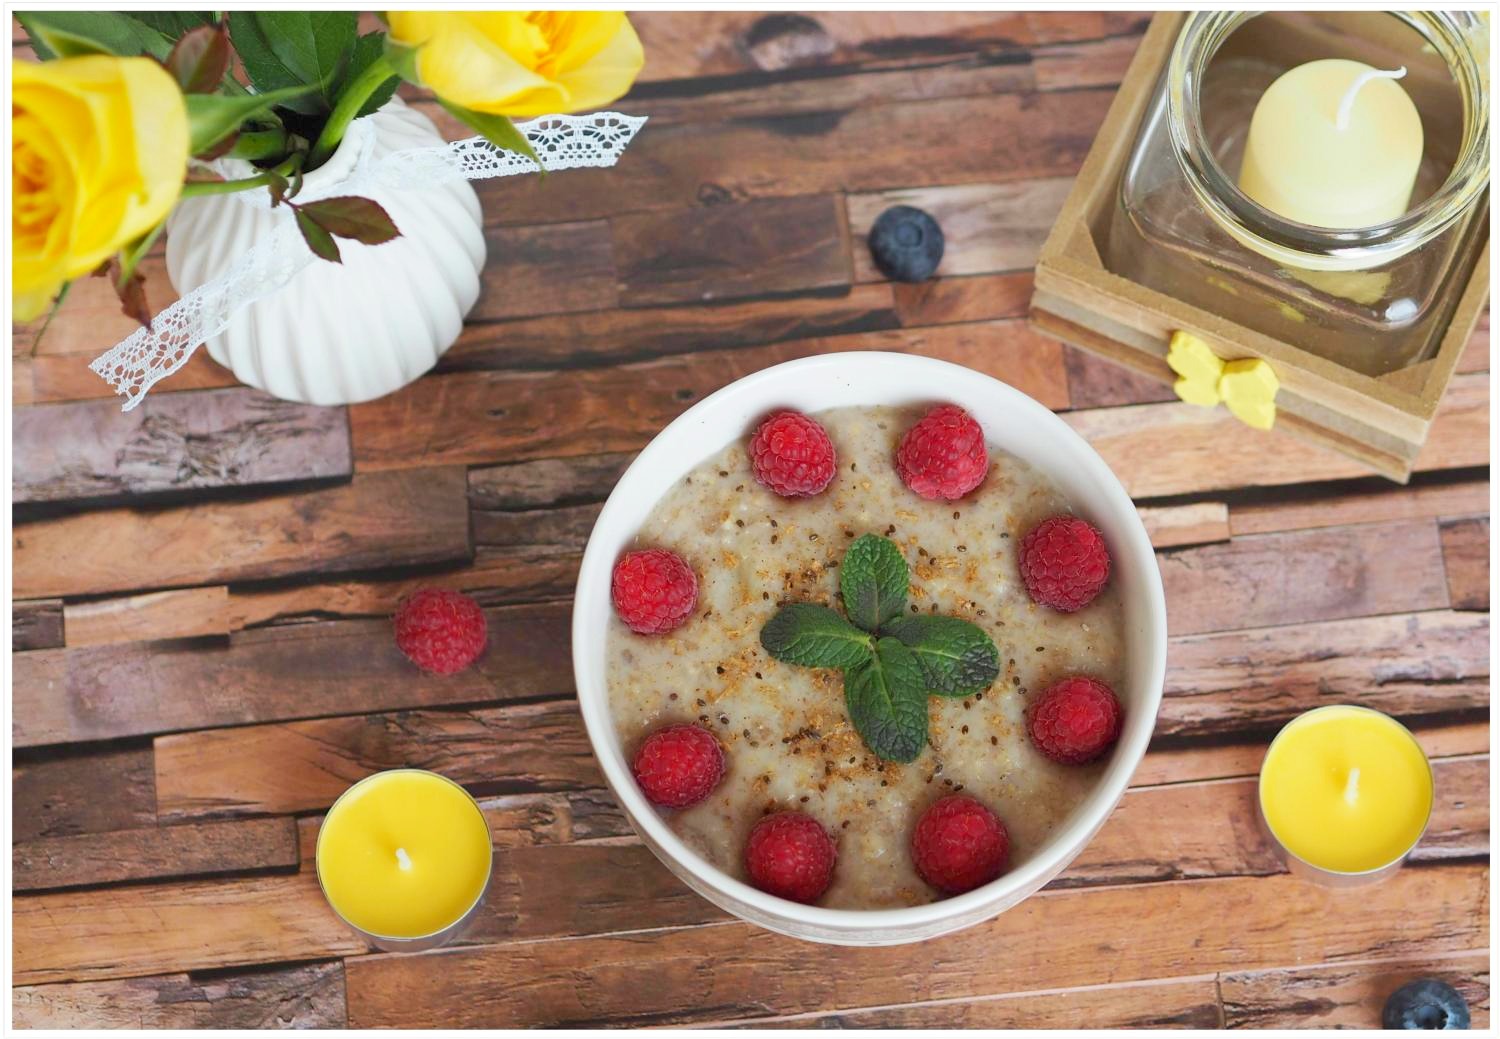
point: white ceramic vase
(340, 333)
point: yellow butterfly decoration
(1247, 388)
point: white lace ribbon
(148, 355)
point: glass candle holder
(1345, 795)
(1373, 299)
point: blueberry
(906, 244)
(1427, 1003)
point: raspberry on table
(1064, 563)
(790, 855)
(678, 766)
(958, 845)
(1075, 720)
(439, 630)
(943, 456)
(654, 590)
(792, 455)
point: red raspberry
(678, 766)
(792, 455)
(1064, 563)
(439, 630)
(1075, 720)
(654, 591)
(943, 456)
(959, 845)
(791, 856)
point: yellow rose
(522, 63)
(99, 149)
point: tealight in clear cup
(404, 858)
(1345, 795)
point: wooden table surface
(203, 586)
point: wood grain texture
(486, 417)
(412, 517)
(1412, 665)
(61, 792)
(1173, 526)
(180, 613)
(293, 671)
(49, 378)
(1466, 560)
(550, 269)
(979, 297)
(304, 996)
(155, 853)
(1057, 940)
(1302, 511)
(36, 624)
(174, 442)
(1346, 996)
(1304, 576)
(1096, 383)
(764, 247)
(304, 766)
(547, 482)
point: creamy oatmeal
(787, 737)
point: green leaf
(200, 59)
(873, 580)
(173, 24)
(957, 657)
(810, 635)
(366, 49)
(213, 117)
(350, 216)
(497, 129)
(887, 701)
(62, 34)
(282, 49)
(318, 240)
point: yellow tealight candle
(1335, 144)
(404, 855)
(1346, 790)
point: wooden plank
(1412, 665)
(549, 269)
(1094, 382)
(155, 853)
(175, 442)
(375, 520)
(1165, 449)
(986, 227)
(304, 996)
(946, 301)
(1154, 1004)
(36, 624)
(1091, 63)
(547, 481)
(1346, 996)
(634, 334)
(1057, 939)
(563, 529)
(292, 671)
(922, 143)
(49, 378)
(303, 766)
(484, 417)
(81, 791)
(91, 320)
(1388, 502)
(1466, 560)
(1303, 576)
(180, 613)
(1476, 355)
(1172, 526)
(764, 247)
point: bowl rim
(1078, 827)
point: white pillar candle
(1335, 144)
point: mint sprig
(891, 662)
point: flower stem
(223, 187)
(374, 76)
(130, 258)
(261, 144)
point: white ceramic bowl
(1011, 420)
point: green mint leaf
(873, 580)
(810, 635)
(957, 657)
(350, 216)
(317, 239)
(887, 701)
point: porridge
(788, 741)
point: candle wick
(402, 859)
(1346, 106)
(1351, 788)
